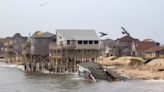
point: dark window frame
(80, 42)
(90, 42)
(85, 42)
(68, 42)
(96, 42)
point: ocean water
(15, 80)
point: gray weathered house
(37, 50)
(17, 42)
(125, 45)
(2, 47)
(72, 47)
(40, 42)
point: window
(85, 42)
(58, 51)
(79, 42)
(54, 51)
(96, 42)
(90, 42)
(50, 51)
(79, 51)
(68, 42)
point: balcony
(74, 46)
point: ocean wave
(152, 80)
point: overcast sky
(142, 18)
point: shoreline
(135, 68)
(130, 73)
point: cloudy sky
(142, 18)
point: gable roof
(40, 34)
(155, 49)
(78, 34)
(144, 45)
(17, 34)
(127, 38)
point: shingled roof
(155, 49)
(40, 34)
(127, 38)
(145, 45)
(77, 34)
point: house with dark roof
(138, 48)
(12, 47)
(125, 45)
(72, 47)
(17, 42)
(155, 52)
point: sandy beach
(135, 68)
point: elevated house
(72, 47)
(8, 49)
(37, 50)
(17, 42)
(2, 47)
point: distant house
(155, 52)
(138, 48)
(110, 47)
(8, 49)
(72, 47)
(17, 41)
(125, 45)
(2, 47)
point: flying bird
(124, 31)
(123, 28)
(103, 34)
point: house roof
(90, 65)
(154, 49)
(97, 73)
(17, 34)
(77, 34)
(127, 38)
(40, 34)
(109, 42)
(94, 68)
(144, 45)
